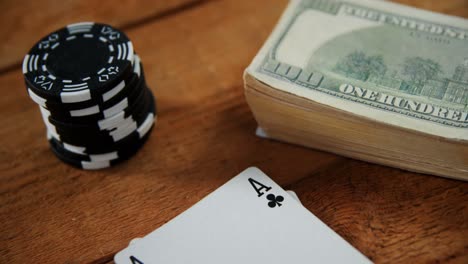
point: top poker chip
(78, 63)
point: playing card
(294, 196)
(261, 133)
(291, 193)
(250, 219)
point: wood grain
(26, 21)
(417, 226)
(194, 59)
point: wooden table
(194, 54)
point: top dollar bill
(387, 62)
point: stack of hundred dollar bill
(366, 79)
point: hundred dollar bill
(391, 63)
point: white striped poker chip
(51, 129)
(98, 161)
(117, 125)
(51, 67)
(95, 109)
(142, 130)
(95, 165)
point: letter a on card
(258, 187)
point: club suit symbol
(274, 200)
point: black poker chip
(100, 149)
(96, 161)
(110, 132)
(91, 90)
(78, 61)
(127, 103)
(124, 88)
(131, 89)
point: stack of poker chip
(91, 91)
